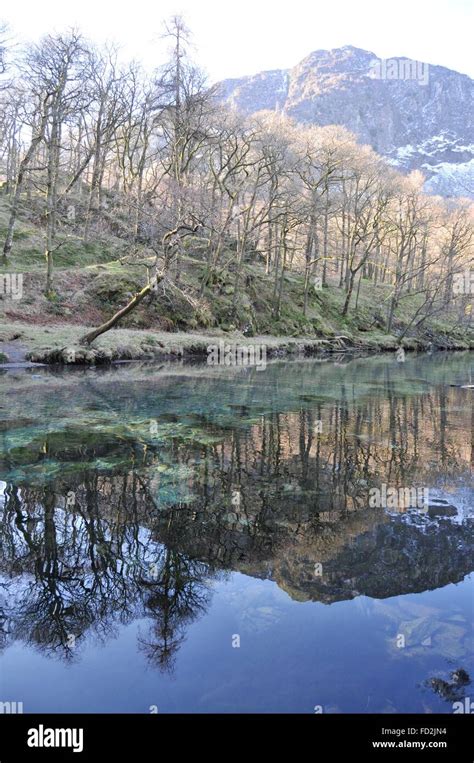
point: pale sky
(247, 36)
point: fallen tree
(170, 244)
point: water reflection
(135, 503)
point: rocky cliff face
(417, 115)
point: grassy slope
(92, 283)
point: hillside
(93, 282)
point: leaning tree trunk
(139, 297)
(181, 231)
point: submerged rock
(461, 677)
(451, 691)
(442, 509)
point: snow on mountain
(419, 116)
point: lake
(183, 538)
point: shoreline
(26, 346)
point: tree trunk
(350, 288)
(139, 297)
(19, 181)
(52, 188)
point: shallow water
(186, 538)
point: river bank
(60, 344)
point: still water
(194, 539)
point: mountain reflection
(136, 520)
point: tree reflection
(93, 548)
(177, 598)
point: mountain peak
(400, 110)
(346, 51)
